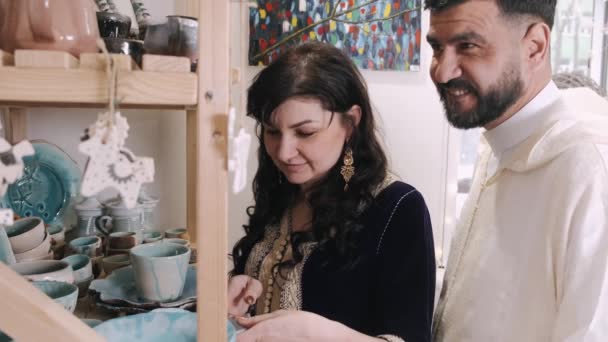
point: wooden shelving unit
(205, 98)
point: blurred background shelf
(55, 87)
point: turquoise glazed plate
(159, 325)
(119, 288)
(49, 184)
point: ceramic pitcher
(65, 25)
(121, 219)
(87, 212)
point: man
(529, 260)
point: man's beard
(490, 106)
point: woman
(334, 248)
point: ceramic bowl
(25, 234)
(83, 286)
(177, 241)
(177, 233)
(110, 263)
(87, 245)
(56, 270)
(122, 240)
(152, 236)
(36, 253)
(57, 233)
(81, 265)
(158, 325)
(63, 293)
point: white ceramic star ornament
(110, 164)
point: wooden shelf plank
(85, 87)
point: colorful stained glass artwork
(376, 34)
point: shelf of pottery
(113, 263)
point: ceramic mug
(122, 240)
(107, 224)
(160, 270)
(81, 266)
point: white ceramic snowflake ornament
(110, 164)
(11, 162)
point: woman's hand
(295, 326)
(243, 291)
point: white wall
(408, 107)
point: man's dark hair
(544, 9)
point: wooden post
(27, 314)
(16, 125)
(207, 141)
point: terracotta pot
(65, 25)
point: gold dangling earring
(347, 170)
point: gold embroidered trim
(291, 296)
(259, 252)
(391, 338)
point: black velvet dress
(390, 291)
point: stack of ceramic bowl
(82, 271)
(29, 240)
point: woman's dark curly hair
(318, 71)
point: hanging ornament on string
(238, 152)
(11, 169)
(110, 163)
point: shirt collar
(523, 123)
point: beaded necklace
(279, 255)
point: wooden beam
(27, 314)
(211, 206)
(90, 87)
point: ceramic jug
(119, 218)
(87, 212)
(65, 25)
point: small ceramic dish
(119, 288)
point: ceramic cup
(122, 240)
(87, 245)
(110, 263)
(62, 293)
(81, 266)
(26, 233)
(160, 270)
(179, 233)
(45, 270)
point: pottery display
(65, 25)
